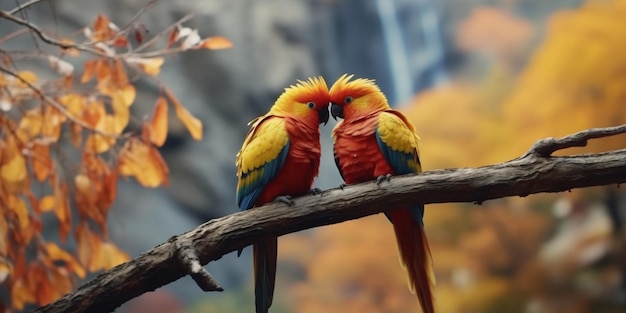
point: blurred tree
(66, 135)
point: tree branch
(535, 172)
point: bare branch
(520, 177)
(545, 147)
(189, 259)
(24, 6)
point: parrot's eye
(348, 100)
(311, 105)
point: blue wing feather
(249, 193)
(399, 162)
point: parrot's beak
(323, 114)
(336, 110)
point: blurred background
(481, 79)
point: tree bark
(535, 172)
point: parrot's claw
(316, 191)
(380, 179)
(285, 199)
(342, 185)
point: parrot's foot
(380, 179)
(316, 191)
(284, 199)
(342, 185)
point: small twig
(545, 147)
(188, 257)
(154, 39)
(24, 6)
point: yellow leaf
(47, 203)
(57, 254)
(98, 143)
(108, 256)
(28, 76)
(30, 125)
(14, 171)
(51, 129)
(216, 43)
(143, 162)
(194, 125)
(74, 103)
(150, 66)
(158, 125)
(18, 206)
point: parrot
(374, 142)
(279, 159)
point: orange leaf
(88, 244)
(143, 162)
(57, 254)
(194, 125)
(158, 125)
(4, 235)
(62, 209)
(21, 294)
(101, 23)
(89, 71)
(41, 162)
(119, 73)
(172, 37)
(93, 112)
(103, 70)
(215, 43)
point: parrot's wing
(261, 157)
(398, 142)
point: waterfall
(414, 45)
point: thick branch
(523, 176)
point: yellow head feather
(293, 101)
(358, 96)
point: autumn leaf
(215, 43)
(56, 254)
(107, 256)
(194, 125)
(150, 66)
(13, 171)
(62, 208)
(158, 124)
(47, 203)
(30, 125)
(22, 293)
(40, 160)
(26, 76)
(143, 162)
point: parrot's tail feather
(415, 256)
(265, 253)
